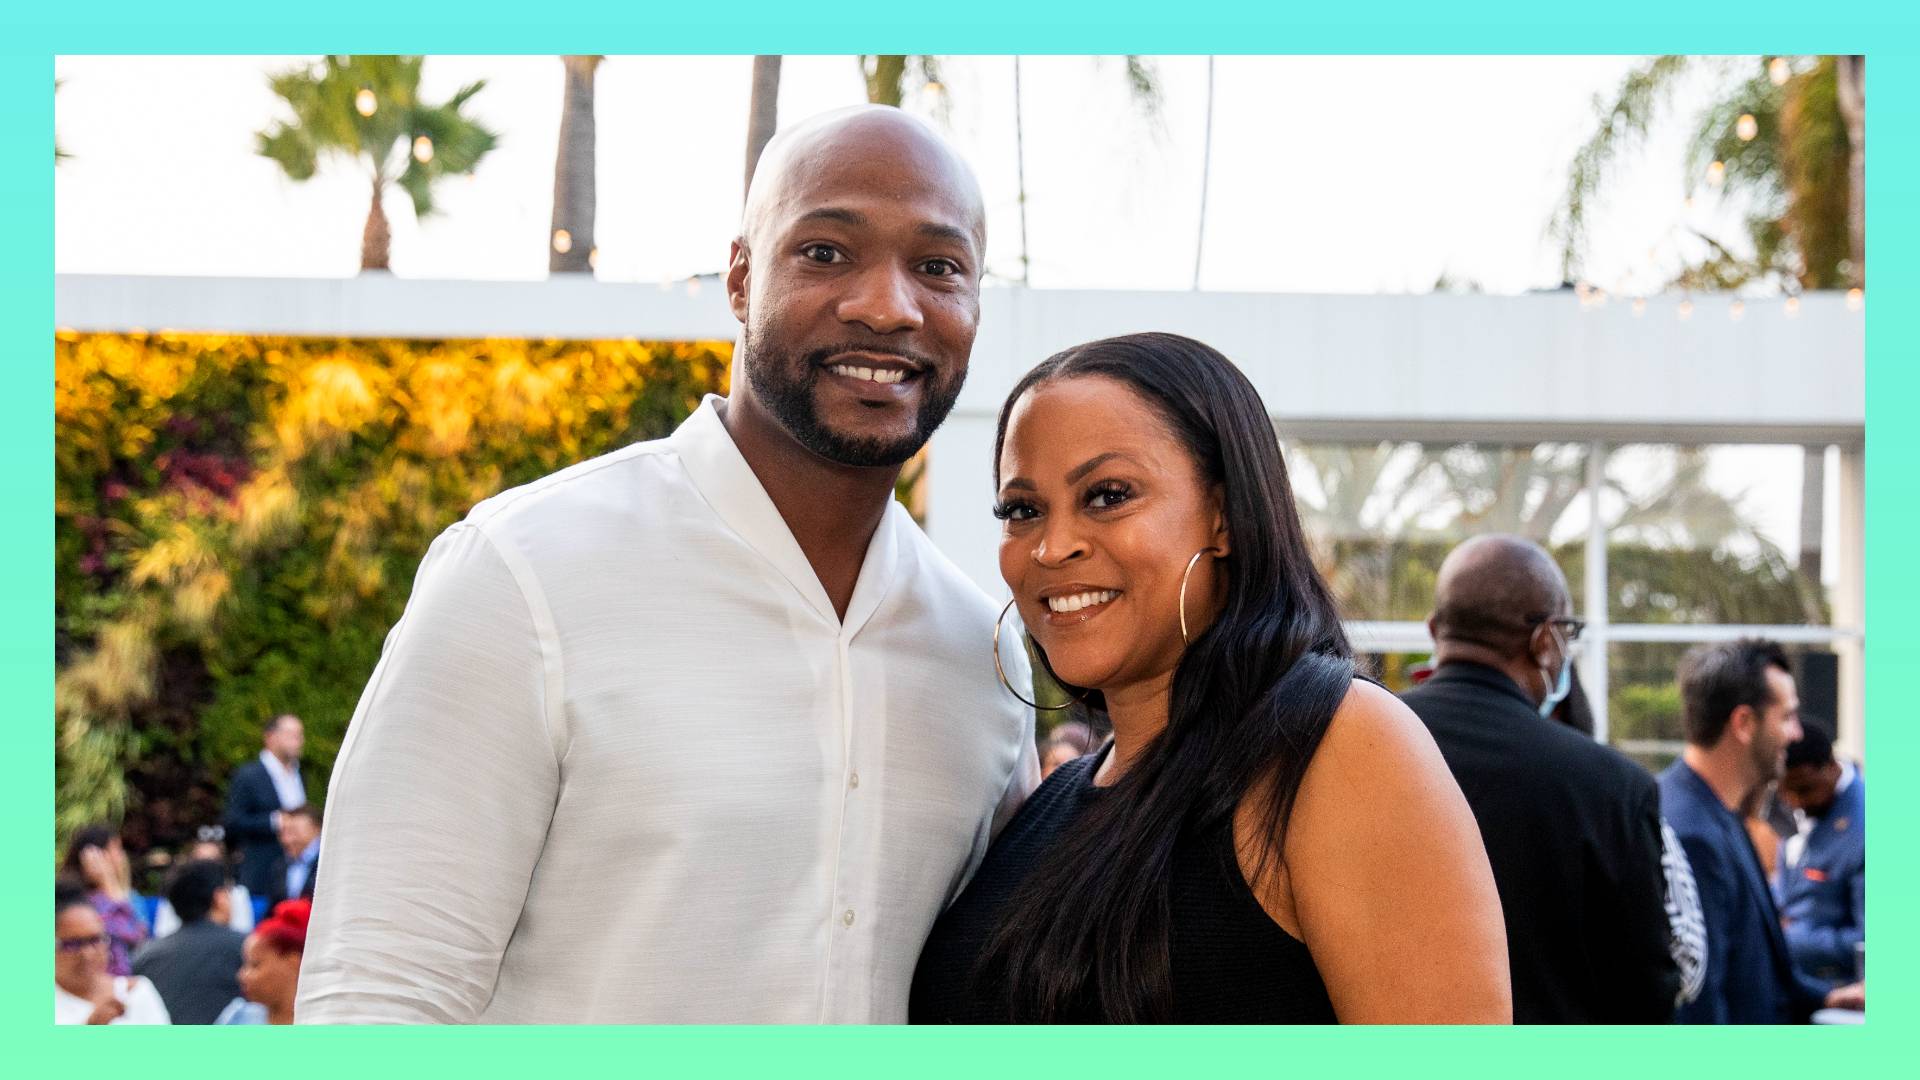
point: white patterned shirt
(621, 762)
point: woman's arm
(1386, 878)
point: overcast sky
(1329, 174)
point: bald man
(1571, 827)
(685, 733)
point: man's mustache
(820, 357)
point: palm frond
(1624, 122)
(290, 148)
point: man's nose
(882, 299)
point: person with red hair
(270, 967)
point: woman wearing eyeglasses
(84, 992)
(1266, 838)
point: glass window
(1718, 534)
(1382, 516)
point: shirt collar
(729, 485)
(1847, 775)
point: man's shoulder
(210, 933)
(1692, 813)
(581, 486)
(1600, 768)
(931, 573)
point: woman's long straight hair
(1086, 935)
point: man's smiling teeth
(876, 375)
(1060, 605)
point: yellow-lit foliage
(237, 522)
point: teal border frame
(1885, 31)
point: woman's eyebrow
(1092, 463)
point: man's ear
(1742, 722)
(737, 266)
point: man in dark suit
(1741, 711)
(194, 967)
(259, 792)
(299, 864)
(1572, 828)
(1822, 875)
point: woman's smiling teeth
(876, 375)
(1061, 605)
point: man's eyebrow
(939, 231)
(834, 213)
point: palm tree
(570, 242)
(368, 108)
(1787, 135)
(763, 112)
(1850, 91)
(886, 76)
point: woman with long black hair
(1265, 838)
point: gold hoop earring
(1002, 672)
(1191, 563)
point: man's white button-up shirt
(621, 762)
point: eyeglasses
(1572, 628)
(79, 944)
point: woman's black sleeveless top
(1231, 963)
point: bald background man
(1572, 828)
(687, 733)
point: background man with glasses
(1571, 827)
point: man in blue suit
(1822, 877)
(1741, 712)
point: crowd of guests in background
(221, 944)
(1729, 889)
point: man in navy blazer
(259, 792)
(1821, 882)
(1741, 711)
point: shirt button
(853, 781)
(847, 917)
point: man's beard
(786, 385)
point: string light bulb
(1856, 299)
(1717, 173)
(1746, 127)
(693, 286)
(365, 103)
(1639, 306)
(1793, 307)
(1736, 309)
(423, 150)
(1686, 309)
(562, 241)
(1779, 71)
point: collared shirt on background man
(1821, 884)
(286, 782)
